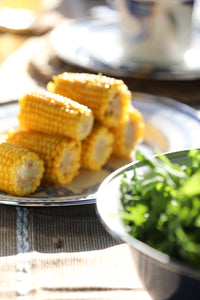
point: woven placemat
(63, 253)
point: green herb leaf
(192, 185)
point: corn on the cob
(54, 114)
(61, 155)
(107, 97)
(21, 171)
(129, 134)
(97, 148)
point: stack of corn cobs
(79, 122)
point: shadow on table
(51, 230)
(67, 229)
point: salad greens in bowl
(153, 204)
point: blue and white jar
(155, 31)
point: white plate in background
(94, 45)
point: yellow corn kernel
(54, 114)
(21, 171)
(61, 155)
(129, 134)
(97, 148)
(107, 97)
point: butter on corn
(61, 155)
(97, 148)
(129, 134)
(50, 113)
(107, 97)
(21, 171)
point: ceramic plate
(94, 45)
(170, 126)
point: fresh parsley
(162, 205)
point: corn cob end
(21, 170)
(97, 148)
(129, 134)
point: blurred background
(39, 39)
(26, 59)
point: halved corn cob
(129, 134)
(53, 114)
(61, 155)
(21, 171)
(97, 148)
(107, 97)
